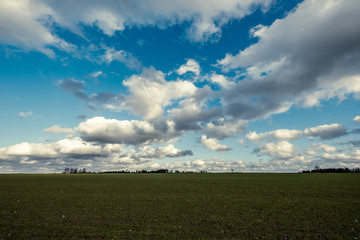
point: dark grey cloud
(81, 117)
(193, 112)
(354, 142)
(356, 131)
(326, 132)
(95, 100)
(193, 121)
(222, 128)
(71, 85)
(301, 59)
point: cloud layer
(310, 55)
(301, 60)
(75, 152)
(22, 23)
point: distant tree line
(153, 171)
(317, 169)
(83, 170)
(75, 170)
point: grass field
(180, 206)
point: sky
(190, 85)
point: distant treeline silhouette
(75, 170)
(153, 171)
(83, 170)
(332, 170)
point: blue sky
(254, 86)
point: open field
(180, 206)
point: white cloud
(58, 129)
(225, 128)
(21, 25)
(346, 159)
(212, 144)
(25, 114)
(326, 148)
(29, 24)
(215, 165)
(356, 119)
(279, 134)
(95, 74)
(75, 152)
(161, 152)
(191, 112)
(218, 165)
(221, 80)
(122, 56)
(281, 150)
(54, 157)
(284, 157)
(205, 20)
(78, 147)
(190, 66)
(326, 132)
(131, 132)
(308, 56)
(150, 93)
(25, 149)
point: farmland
(180, 206)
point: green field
(180, 206)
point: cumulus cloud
(345, 158)
(25, 114)
(279, 134)
(22, 25)
(212, 144)
(310, 55)
(284, 156)
(132, 132)
(205, 20)
(66, 152)
(26, 150)
(225, 128)
(356, 119)
(190, 66)
(193, 111)
(326, 132)
(162, 152)
(29, 24)
(150, 93)
(58, 129)
(320, 148)
(221, 80)
(281, 150)
(218, 165)
(215, 165)
(326, 148)
(75, 152)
